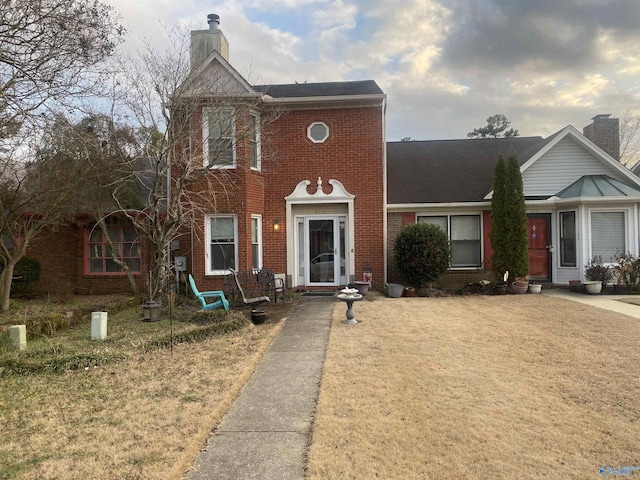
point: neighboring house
(581, 202)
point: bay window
(607, 235)
(218, 135)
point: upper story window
(254, 141)
(219, 137)
(318, 132)
(121, 243)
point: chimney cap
(213, 20)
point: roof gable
(216, 76)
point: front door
(323, 253)
(539, 234)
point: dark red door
(539, 233)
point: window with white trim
(318, 132)
(568, 239)
(254, 141)
(256, 241)
(219, 137)
(222, 241)
(607, 235)
(464, 236)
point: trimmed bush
(422, 254)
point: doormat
(318, 294)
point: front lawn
(127, 407)
(497, 387)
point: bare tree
(48, 49)
(50, 53)
(192, 124)
(629, 139)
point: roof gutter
(378, 97)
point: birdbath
(350, 295)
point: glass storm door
(323, 252)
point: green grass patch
(71, 349)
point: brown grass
(143, 418)
(478, 387)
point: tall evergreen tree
(508, 221)
(499, 213)
(518, 219)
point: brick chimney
(605, 132)
(204, 42)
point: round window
(318, 132)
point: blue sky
(446, 65)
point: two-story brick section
(297, 171)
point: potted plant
(598, 275)
(535, 287)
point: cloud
(547, 35)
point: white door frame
(300, 196)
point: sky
(445, 65)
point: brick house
(296, 176)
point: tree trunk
(6, 277)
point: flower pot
(519, 289)
(409, 292)
(394, 290)
(499, 289)
(593, 287)
(535, 288)
(258, 317)
(522, 282)
(362, 286)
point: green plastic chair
(203, 296)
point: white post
(18, 335)
(98, 325)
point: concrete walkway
(265, 434)
(607, 302)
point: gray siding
(565, 163)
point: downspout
(384, 190)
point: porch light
(276, 224)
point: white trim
(258, 140)
(315, 140)
(326, 99)
(207, 253)
(259, 232)
(571, 131)
(448, 232)
(300, 196)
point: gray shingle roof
(446, 171)
(326, 89)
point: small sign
(533, 235)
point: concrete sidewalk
(607, 302)
(265, 434)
